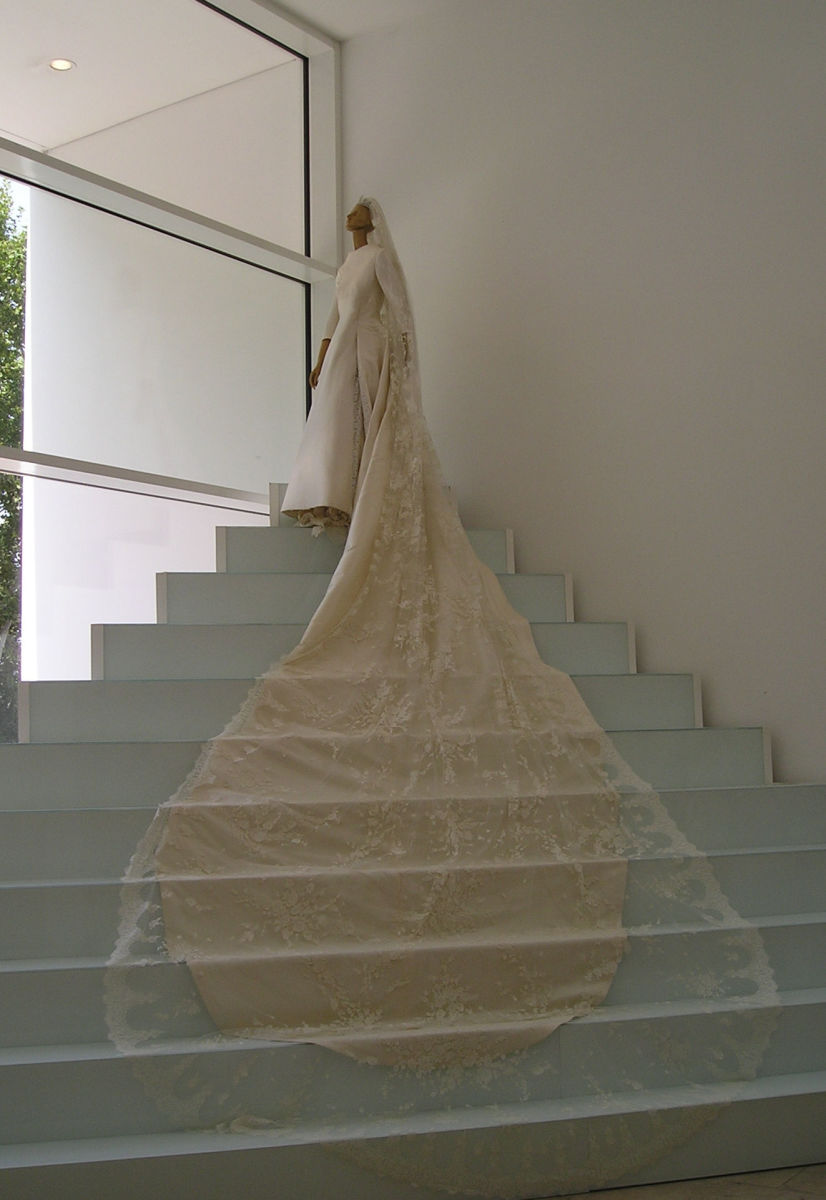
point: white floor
(789, 1183)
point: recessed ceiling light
(62, 64)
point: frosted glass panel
(90, 557)
(146, 352)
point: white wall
(235, 154)
(611, 216)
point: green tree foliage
(12, 308)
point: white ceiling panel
(133, 57)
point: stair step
(204, 598)
(97, 843)
(250, 549)
(241, 651)
(75, 808)
(731, 818)
(145, 774)
(183, 710)
(68, 1091)
(696, 758)
(515, 1145)
(61, 999)
(56, 918)
(69, 844)
(93, 774)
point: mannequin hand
(314, 374)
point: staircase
(96, 758)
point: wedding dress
(352, 388)
(412, 843)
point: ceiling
(132, 58)
(138, 56)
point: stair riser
(199, 598)
(747, 1134)
(697, 758)
(95, 775)
(64, 1004)
(117, 774)
(784, 814)
(80, 920)
(97, 843)
(87, 844)
(244, 651)
(53, 1100)
(284, 548)
(776, 883)
(188, 710)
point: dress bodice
(358, 292)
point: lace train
(413, 845)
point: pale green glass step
(238, 651)
(59, 1000)
(692, 758)
(182, 710)
(95, 843)
(41, 1086)
(145, 774)
(288, 548)
(93, 774)
(69, 844)
(205, 598)
(744, 1135)
(731, 818)
(79, 918)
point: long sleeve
(332, 321)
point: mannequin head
(359, 219)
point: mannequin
(350, 379)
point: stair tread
(229, 680)
(523, 1113)
(458, 943)
(610, 1014)
(778, 791)
(397, 869)
(788, 920)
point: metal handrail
(14, 461)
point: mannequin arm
(316, 371)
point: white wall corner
(277, 492)
(631, 631)
(569, 597)
(24, 723)
(97, 640)
(768, 766)
(221, 549)
(697, 685)
(510, 557)
(162, 609)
